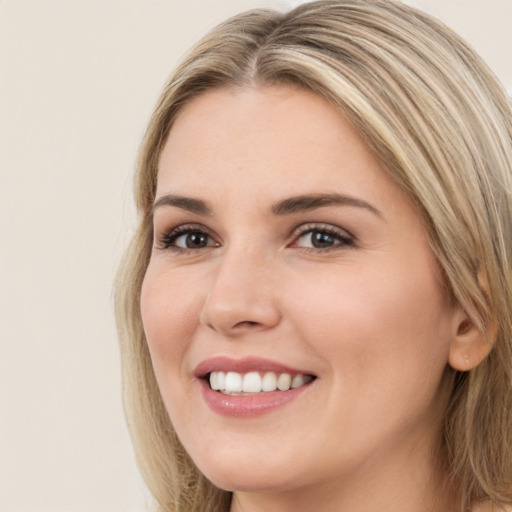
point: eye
(187, 238)
(322, 237)
(193, 240)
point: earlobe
(470, 345)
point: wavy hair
(441, 124)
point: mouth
(255, 382)
(252, 383)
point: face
(290, 274)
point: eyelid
(343, 234)
(310, 226)
(165, 239)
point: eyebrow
(185, 203)
(287, 206)
(311, 202)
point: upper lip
(244, 365)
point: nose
(243, 295)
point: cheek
(384, 341)
(169, 310)
(379, 322)
(169, 315)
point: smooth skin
(348, 290)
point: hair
(441, 124)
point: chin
(232, 477)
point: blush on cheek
(169, 316)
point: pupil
(195, 240)
(321, 239)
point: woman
(315, 310)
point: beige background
(78, 79)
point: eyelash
(343, 239)
(168, 240)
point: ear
(470, 345)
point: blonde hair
(441, 124)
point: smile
(252, 383)
(250, 386)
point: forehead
(265, 139)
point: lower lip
(249, 405)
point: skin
(369, 318)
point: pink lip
(247, 406)
(250, 405)
(247, 364)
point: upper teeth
(253, 382)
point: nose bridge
(241, 296)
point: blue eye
(322, 238)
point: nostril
(246, 323)
(232, 313)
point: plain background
(78, 79)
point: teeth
(233, 383)
(284, 382)
(221, 380)
(298, 381)
(269, 382)
(251, 383)
(214, 381)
